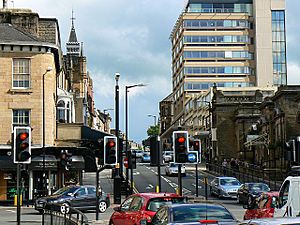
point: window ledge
(20, 91)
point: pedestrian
(224, 165)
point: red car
(142, 206)
(263, 206)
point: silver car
(273, 221)
(225, 187)
(172, 169)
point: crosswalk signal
(110, 150)
(22, 145)
(180, 146)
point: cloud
(293, 73)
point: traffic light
(99, 152)
(65, 159)
(197, 148)
(180, 146)
(22, 145)
(110, 150)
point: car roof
(156, 195)
(227, 178)
(196, 204)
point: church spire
(73, 46)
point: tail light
(208, 221)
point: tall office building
(232, 43)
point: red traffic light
(196, 143)
(23, 136)
(111, 144)
(181, 139)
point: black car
(249, 191)
(79, 197)
(200, 213)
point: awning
(77, 162)
(6, 163)
(37, 162)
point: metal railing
(57, 214)
(273, 178)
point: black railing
(57, 214)
(251, 173)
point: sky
(131, 37)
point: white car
(273, 221)
(172, 169)
(138, 153)
(168, 156)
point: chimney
(4, 4)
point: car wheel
(65, 208)
(250, 200)
(102, 206)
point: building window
(21, 117)
(63, 112)
(21, 73)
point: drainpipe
(4, 4)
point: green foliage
(153, 130)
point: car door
(120, 217)
(134, 214)
(91, 197)
(80, 198)
(160, 217)
(215, 185)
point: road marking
(136, 173)
(13, 211)
(195, 185)
(150, 186)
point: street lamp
(49, 69)
(150, 115)
(126, 130)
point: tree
(153, 130)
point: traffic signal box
(197, 148)
(180, 146)
(110, 150)
(99, 152)
(22, 145)
(65, 159)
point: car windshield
(155, 203)
(203, 212)
(229, 182)
(65, 190)
(259, 187)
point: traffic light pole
(179, 180)
(18, 195)
(97, 194)
(197, 182)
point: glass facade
(218, 54)
(189, 86)
(217, 70)
(213, 39)
(216, 24)
(279, 48)
(220, 8)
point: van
(289, 198)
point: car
(172, 169)
(273, 221)
(225, 187)
(146, 157)
(167, 156)
(138, 153)
(82, 197)
(262, 207)
(197, 213)
(249, 191)
(142, 206)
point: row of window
(221, 69)
(220, 8)
(226, 39)
(21, 73)
(216, 23)
(206, 85)
(218, 54)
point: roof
(73, 37)
(156, 195)
(8, 33)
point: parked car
(249, 191)
(200, 213)
(224, 187)
(172, 169)
(146, 157)
(167, 156)
(79, 197)
(142, 206)
(262, 207)
(273, 221)
(138, 153)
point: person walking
(224, 165)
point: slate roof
(73, 37)
(8, 33)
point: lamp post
(49, 69)
(117, 178)
(126, 131)
(150, 115)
